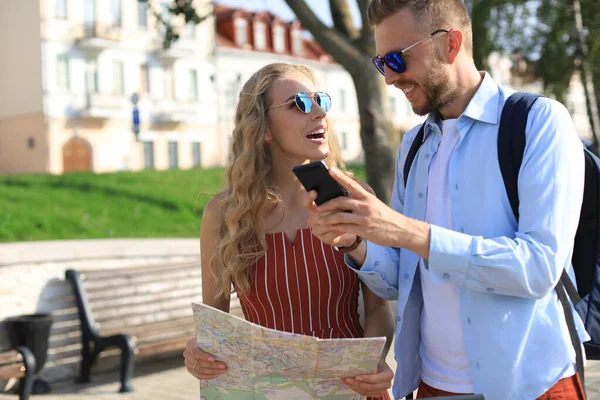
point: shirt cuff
(449, 255)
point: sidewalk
(168, 380)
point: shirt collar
(483, 106)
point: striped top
(303, 288)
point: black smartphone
(315, 176)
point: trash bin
(32, 331)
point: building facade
(72, 70)
(69, 78)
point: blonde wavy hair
(250, 189)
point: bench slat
(138, 270)
(12, 371)
(10, 357)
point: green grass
(146, 204)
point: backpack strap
(511, 146)
(412, 153)
(511, 142)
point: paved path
(167, 380)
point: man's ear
(454, 40)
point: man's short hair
(430, 15)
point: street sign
(136, 120)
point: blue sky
(280, 8)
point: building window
(60, 9)
(148, 155)
(168, 83)
(142, 15)
(62, 72)
(91, 80)
(115, 12)
(279, 39)
(190, 30)
(144, 79)
(344, 137)
(196, 154)
(193, 88)
(241, 31)
(118, 78)
(260, 36)
(343, 100)
(297, 42)
(173, 155)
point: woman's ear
(268, 136)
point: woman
(254, 235)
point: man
(477, 309)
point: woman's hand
(201, 364)
(372, 385)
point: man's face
(426, 81)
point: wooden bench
(19, 364)
(143, 311)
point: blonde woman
(255, 237)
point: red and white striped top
(303, 288)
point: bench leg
(127, 346)
(87, 361)
(127, 352)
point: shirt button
(398, 319)
(468, 320)
(462, 229)
(490, 289)
(427, 156)
(446, 275)
(405, 276)
(478, 366)
(456, 186)
(420, 195)
(376, 263)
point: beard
(437, 90)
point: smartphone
(315, 176)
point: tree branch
(342, 19)
(333, 42)
(366, 42)
(363, 5)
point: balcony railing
(96, 37)
(177, 111)
(102, 106)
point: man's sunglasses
(304, 101)
(394, 59)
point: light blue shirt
(516, 337)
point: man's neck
(467, 85)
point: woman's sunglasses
(394, 59)
(304, 101)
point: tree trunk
(586, 77)
(375, 130)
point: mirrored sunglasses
(394, 59)
(304, 101)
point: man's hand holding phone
(369, 218)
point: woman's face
(293, 134)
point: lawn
(146, 204)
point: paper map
(265, 363)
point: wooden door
(76, 155)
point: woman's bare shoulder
(211, 215)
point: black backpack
(586, 255)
